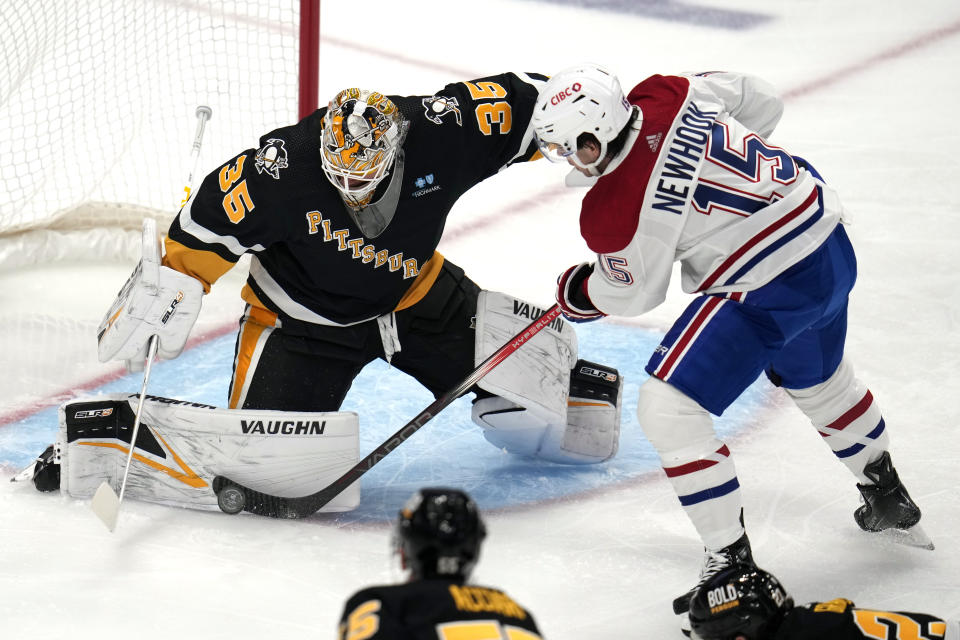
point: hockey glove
(155, 300)
(572, 294)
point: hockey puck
(231, 500)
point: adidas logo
(653, 141)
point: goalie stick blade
(915, 536)
(106, 505)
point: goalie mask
(438, 534)
(582, 99)
(360, 145)
(741, 600)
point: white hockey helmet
(582, 99)
(362, 132)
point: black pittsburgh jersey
(840, 620)
(434, 610)
(310, 261)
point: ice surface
(595, 551)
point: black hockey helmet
(740, 600)
(439, 533)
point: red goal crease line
(892, 53)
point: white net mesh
(98, 100)
(98, 103)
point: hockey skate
(887, 508)
(44, 471)
(713, 562)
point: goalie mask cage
(97, 102)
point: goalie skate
(44, 471)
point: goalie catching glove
(572, 294)
(155, 300)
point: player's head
(739, 601)
(362, 132)
(581, 108)
(439, 533)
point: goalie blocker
(547, 403)
(155, 300)
(181, 446)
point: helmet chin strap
(635, 122)
(594, 167)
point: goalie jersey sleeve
(701, 185)
(486, 120)
(840, 620)
(432, 610)
(310, 262)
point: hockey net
(98, 104)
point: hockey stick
(234, 497)
(203, 113)
(106, 503)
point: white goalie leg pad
(508, 426)
(536, 376)
(592, 430)
(698, 465)
(953, 630)
(155, 300)
(182, 446)
(591, 433)
(845, 414)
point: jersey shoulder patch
(271, 158)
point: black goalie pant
(306, 367)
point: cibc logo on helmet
(562, 95)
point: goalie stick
(233, 497)
(105, 502)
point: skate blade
(25, 475)
(915, 536)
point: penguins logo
(435, 107)
(271, 158)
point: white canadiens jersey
(700, 184)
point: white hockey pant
(844, 412)
(698, 465)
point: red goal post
(97, 105)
